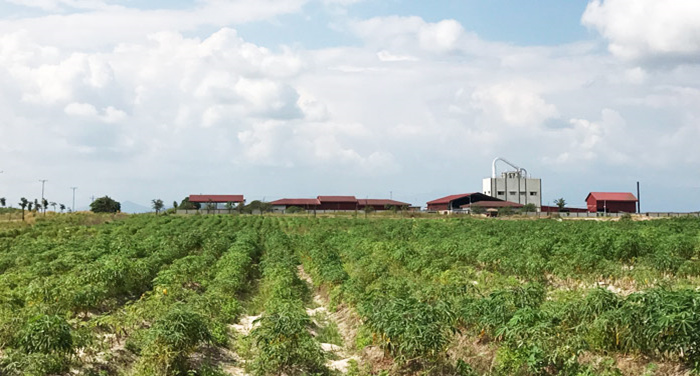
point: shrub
(283, 344)
(171, 339)
(46, 334)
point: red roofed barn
(611, 202)
(454, 202)
(304, 203)
(217, 199)
(335, 203)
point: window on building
(533, 193)
(522, 193)
(512, 193)
(501, 193)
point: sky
(407, 99)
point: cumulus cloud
(647, 29)
(410, 105)
(513, 104)
(407, 33)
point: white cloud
(513, 103)
(410, 106)
(406, 33)
(100, 26)
(641, 29)
(80, 109)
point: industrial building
(514, 186)
(335, 203)
(611, 202)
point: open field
(215, 295)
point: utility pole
(43, 181)
(73, 188)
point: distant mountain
(134, 208)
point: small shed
(611, 202)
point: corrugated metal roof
(296, 201)
(493, 204)
(337, 198)
(216, 198)
(612, 196)
(447, 199)
(381, 201)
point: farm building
(337, 203)
(334, 203)
(381, 204)
(611, 202)
(303, 203)
(455, 202)
(218, 200)
(555, 209)
(492, 205)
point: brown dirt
(346, 320)
(477, 353)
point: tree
(54, 206)
(157, 205)
(185, 204)
(210, 205)
(175, 205)
(37, 206)
(560, 203)
(44, 204)
(23, 203)
(230, 205)
(477, 209)
(62, 207)
(2, 201)
(505, 211)
(368, 209)
(529, 208)
(294, 209)
(258, 205)
(105, 205)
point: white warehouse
(514, 186)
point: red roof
(373, 201)
(337, 198)
(296, 201)
(447, 199)
(612, 196)
(216, 198)
(493, 204)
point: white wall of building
(512, 186)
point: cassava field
(298, 295)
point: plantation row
(158, 295)
(421, 287)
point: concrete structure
(611, 202)
(515, 186)
(454, 202)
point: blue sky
(295, 98)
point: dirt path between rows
(346, 323)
